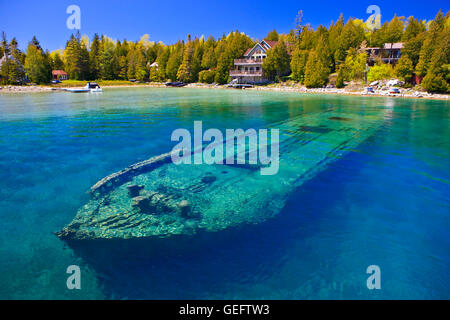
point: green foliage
(318, 64)
(435, 44)
(273, 35)
(174, 62)
(94, 58)
(354, 65)
(229, 48)
(435, 83)
(316, 73)
(206, 76)
(380, 72)
(37, 63)
(11, 69)
(340, 78)
(298, 64)
(76, 58)
(185, 71)
(412, 48)
(404, 68)
(277, 62)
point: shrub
(206, 76)
(380, 72)
(434, 83)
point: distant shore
(405, 93)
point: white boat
(93, 87)
(75, 90)
(90, 87)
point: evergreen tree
(435, 83)
(277, 62)
(340, 77)
(298, 64)
(94, 58)
(316, 73)
(175, 60)
(185, 71)
(394, 30)
(273, 35)
(37, 64)
(404, 68)
(354, 65)
(209, 60)
(431, 43)
(107, 59)
(56, 62)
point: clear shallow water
(385, 203)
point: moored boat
(175, 84)
(90, 87)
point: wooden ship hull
(156, 198)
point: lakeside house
(59, 75)
(249, 68)
(389, 53)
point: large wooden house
(249, 68)
(390, 53)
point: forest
(308, 56)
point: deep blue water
(385, 203)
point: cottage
(390, 53)
(59, 75)
(249, 68)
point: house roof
(270, 43)
(59, 72)
(264, 44)
(395, 45)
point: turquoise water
(386, 202)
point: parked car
(55, 81)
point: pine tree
(94, 58)
(316, 72)
(277, 62)
(430, 44)
(175, 60)
(185, 71)
(56, 62)
(394, 30)
(209, 60)
(108, 60)
(37, 65)
(340, 77)
(298, 64)
(404, 68)
(273, 35)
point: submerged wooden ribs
(158, 198)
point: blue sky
(170, 20)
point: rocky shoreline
(404, 93)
